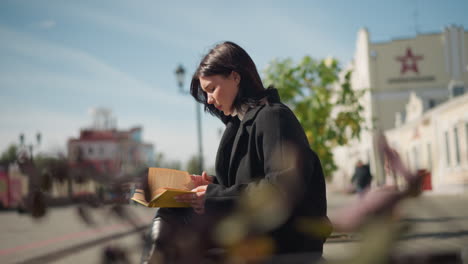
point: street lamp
(30, 147)
(180, 76)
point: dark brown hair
(223, 59)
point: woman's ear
(236, 76)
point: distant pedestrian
(362, 177)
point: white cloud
(267, 30)
(47, 24)
(84, 65)
(142, 25)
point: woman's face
(221, 91)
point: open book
(164, 185)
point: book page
(159, 178)
(139, 197)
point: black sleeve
(215, 179)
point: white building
(432, 67)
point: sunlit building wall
(436, 141)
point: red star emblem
(409, 61)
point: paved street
(438, 223)
(61, 237)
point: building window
(80, 153)
(447, 148)
(458, 90)
(429, 157)
(90, 150)
(432, 103)
(457, 146)
(466, 139)
(415, 158)
(408, 160)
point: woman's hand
(196, 200)
(204, 179)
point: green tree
(193, 165)
(9, 155)
(325, 105)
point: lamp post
(29, 147)
(33, 201)
(180, 76)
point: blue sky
(59, 59)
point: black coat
(269, 146)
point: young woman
(263, 145)
(263, 150)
